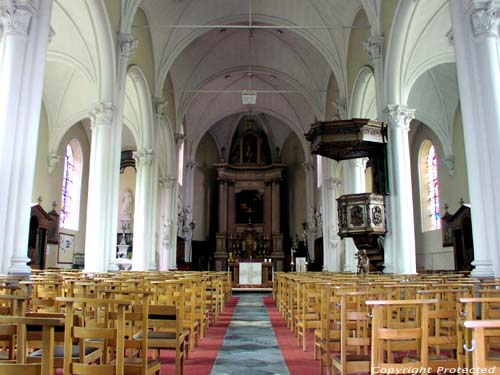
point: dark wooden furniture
(37, 241)
(458, 228)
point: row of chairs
(104, 316)
(376, 322)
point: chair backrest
(399, 327)
(17, 325)
(484, 331)
(110, 335)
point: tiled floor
(250, 347)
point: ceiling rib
(246, 27)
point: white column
(311, 218)
(189, 189)
(100, 194)
(331, 239)
(354, 183)
(104, 173)
(126, 46)
(25, 29)
(168, 233)
(476, 39)
(399, 244)
(143, 246)
(152, 230)
(375, 48)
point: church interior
(173, 134)
(251, 142)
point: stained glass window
(71, 186)
(429, 187)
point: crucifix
(250, 212)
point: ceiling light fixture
(249, 97)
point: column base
(19, 266)
(482, 268)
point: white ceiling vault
(206, 49)
(290, 52)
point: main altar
(249, 227)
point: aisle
(250, 347)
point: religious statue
(319, 223)
(167, 225)
(127, 204)
(363, 263)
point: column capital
(143, 157)
(127, 44)
(52, 160)
(340, 108)
(101, 115)
(179, 138)
(449, 163)
(167, 182)
(375, 46)
(399, 116)
(308, 166)
(52, 33)
(16, 15)
(332, 183)
(485, 19)
(159, 104)
(191, 164)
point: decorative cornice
(101, 115)
(375, 47)
(52, 160)
(16, 15)
(484, 20)
(127, 44)
(399, 116)
(143, 157)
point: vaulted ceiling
(285, 51)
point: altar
(251, 273)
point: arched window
(71, 186)
(429, 187)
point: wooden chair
(135, 343)
(309, 310)
(166, 332)
(111, 340)
(482, 308)
(443, 328)
(399, 327)
(482, 332)
(14, 306)
(19, 323)
(355, 334)
(327, 338)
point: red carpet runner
(298, 361)
(202, 358)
